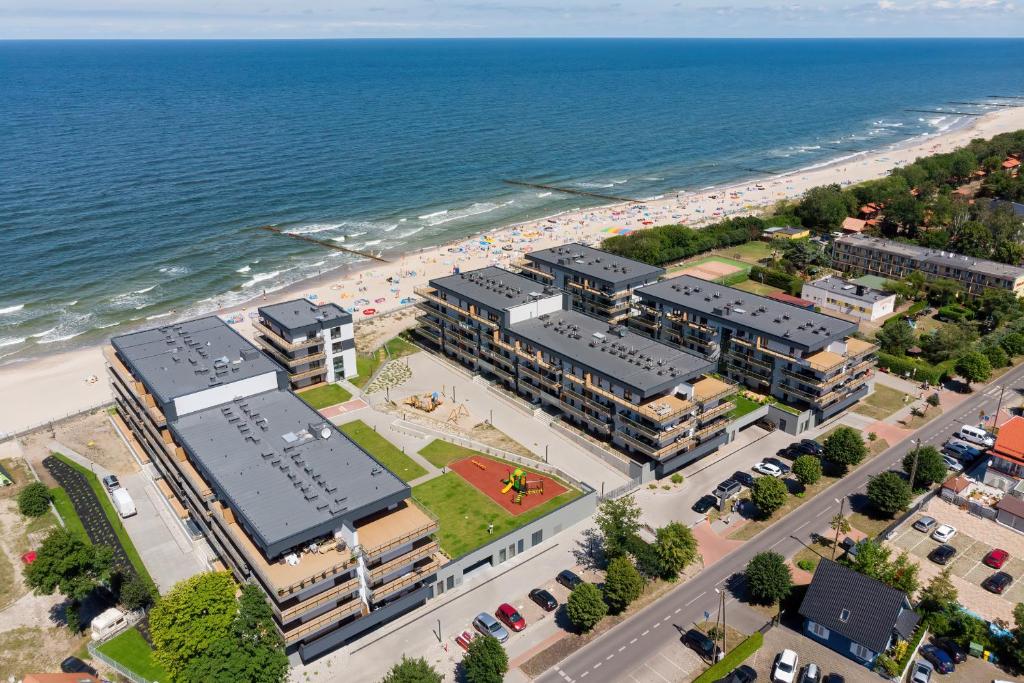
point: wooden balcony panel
(418, 574)
(414, 555)
(268, 347)
(288, 345)
(350, 586)
(327, 618)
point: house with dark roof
(855, 615)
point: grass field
(327, 395)
(67, 512)
(743, 406)
(395, 460)
(465, 512)
(758, 288)
(132, 651)
(367, 363)
(882, 402)
(439, 453)
(112, 517)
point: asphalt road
(612, 656)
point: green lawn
(464, 512)
(367, 363)
(67, 512)
(439, 453)
(758, 288)
(376, 445)
(743, 406)
(327, 395)
(112, 517)
(751, 252)
(132, 651)
(882, 402)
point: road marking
(821, 513)
(696, 598)
(656, 624)
(801, 526)
(651, 669)
(678, 610)
(632, 641)
(622, 648)
(645, 633)
(609, 656)
(598, 665)
(671, 662)
(667, 617)
(772, 546)
(584, 674)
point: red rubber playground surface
(486, 475)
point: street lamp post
(835, 544)
(913, 468)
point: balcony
(651, 432)
(713, 428)
(720, 409)
(380, 571)
(710, 389)
(749, 359)
(855, 348)
(655, 452)
(288, 362)
(323, 621)
(137, 388)
(825, 361)
(525, 265)
(284, 343)
(332, 595)
(645, 323)
(756, 346)
(659, 409)
(418, 574)
(430, 294)
(593, 421)
(539, 376)
(389, 530)
(315, 372)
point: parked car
(784, 668)
(944, 533)
(951, 648)
(996, 558)
(111, 482)
(704, 504)
(810, 674)
(938, 658)
(962, 450)
(123, 502)
(766, 424)
(792, 451)
(835, 678)
(925, 524)
(922, 672)
(511, 617)
(702, 645)
(768, 469)
(74, 665)
(943, 554)
(997, 583)
(741, 674)
(786, 469)
(568, 579)
(545, 599)
(976, 435)
(745, 478)
(952, 463)
(728, 489)
(811, 447)
(489, 626)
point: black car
(568, 579)
(786, 469)
(952, 648)
(74, 665)
(701, 644)
(765, 424)
(792, 451)
(997, 583)
(704, 504)
(942, 662)
(544, 599)
(745, 478)
(943, 554)
(835, 678)
(741, 674)
(811, 447)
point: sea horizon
(155, 184)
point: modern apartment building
(598, 283)
(286, 500)
(860, 254)
(805, 359)
(315, 343)
(653, 401)
(849, 298)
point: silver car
(489, 626)
(925, 524)
(922, 672)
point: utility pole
(835, 545)
(913, 468)
(995, 420)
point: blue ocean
(133, 174)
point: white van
(123, 502)
(976, 435)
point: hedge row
(777, 278)
(918, 370)
(736, 656)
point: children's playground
(514, 488)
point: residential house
(1005, 469)
(848, 298)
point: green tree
(67, 564)
(618, 521)
(1016, 647)
(768, 578)
(135, 593)
(486, 661)
(939, 594)
(995, 354)
(34, 500)
(950, 341)
(622, 584)
(1013, 343)
(769, 494)
(257, 649)
(844, 448)
(873, 559)
(824, 208)
(889, 493)
(676, 548)
(931, 468)
(412, 671)
(585, 607)
(895, 338)
(807, 469)
(802, 254)
(973, 367)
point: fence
(976, 509)
(620, 491)
(630, 468)
(94, 650)
(7, 436)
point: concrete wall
(225, 393)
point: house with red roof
(1006, 465)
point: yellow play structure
(518, 482)
(427, 402)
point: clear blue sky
(476, 18)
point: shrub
(622, 584)
(676, 478)
(34, 500)
(955, 313)
(1013, 343)
(933, 400)
(674, 549)
(806, 565)
(889, 493)
(997, 357)
(135, 593)
(807, 469)
(585, 607)
(908, 367)
(973, 367)
(768, 493)
(486, 661)
(872, 436)
(412, 671)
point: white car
(952, 463)
(784, 670)
(944, 533)
(767, 468)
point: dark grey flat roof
(596, 264)
(265, 456)
(493, 287)
(183, 358)
(644, 365)
(767, 316)
(926, 255)
(299, 313)
(849, 289)
(996, 204)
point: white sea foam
(37, 335)
(339, 238)
(428, 216)
(544, 194)
(373, 243)
(63, 337)
(144, 290)
(71, 303)
(474, 209)
(11, 309)
(313, 228)
(244, 269)
(260, 277)
(11, 341)
(106, 325)
(159, 315)
(175, 270)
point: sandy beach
(38, 390)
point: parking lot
(975, 537)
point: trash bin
(976, 649)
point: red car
(511, 617)
(996, 558)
